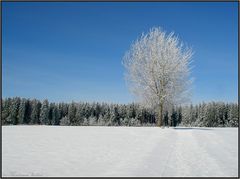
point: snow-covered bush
(65, 121)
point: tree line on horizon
(15, 111)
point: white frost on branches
(158, 68)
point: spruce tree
(14, 111)
(233, 115)
(6, 108)
(56, 115)
(35, 114)
(72, 113)
(79, 114)
(64, 121)
(44, 114)
(22, 111)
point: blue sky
(73, 51)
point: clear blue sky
(73, 51)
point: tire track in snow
(190, 158)
(227, 157)
(152, 164)
(148, 163)
(106, 151)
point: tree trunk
(160, 115)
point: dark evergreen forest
(18, 110)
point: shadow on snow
(191, 128)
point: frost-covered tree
(166, 118)
(92, 121)
(98, 111)
(64, 109)
(233, 117)
(87, 110)
(186, 116)
(6, 109)
(212, 114)
(220, 112)
(107, 117)
(72, 113)
(22, 111)
(79, 114)
(157, 70)
(101, 121)
(35, 114)
(28, 112)
(179, 115)
(64, 121)
(131, 112)
(55, 115)
(202, 112)
(115, 117)
(174, 116)
(14, 110)
(85, 122)
(134, 122)
(226, 115)
(44, 114)
(140, 114)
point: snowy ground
(118, 151)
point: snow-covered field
(118, 151)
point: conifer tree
(55, 115)
(44, 114)
(35, 114)
(14, 110)
(22, 111)
(6, 109)
(72, 113)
